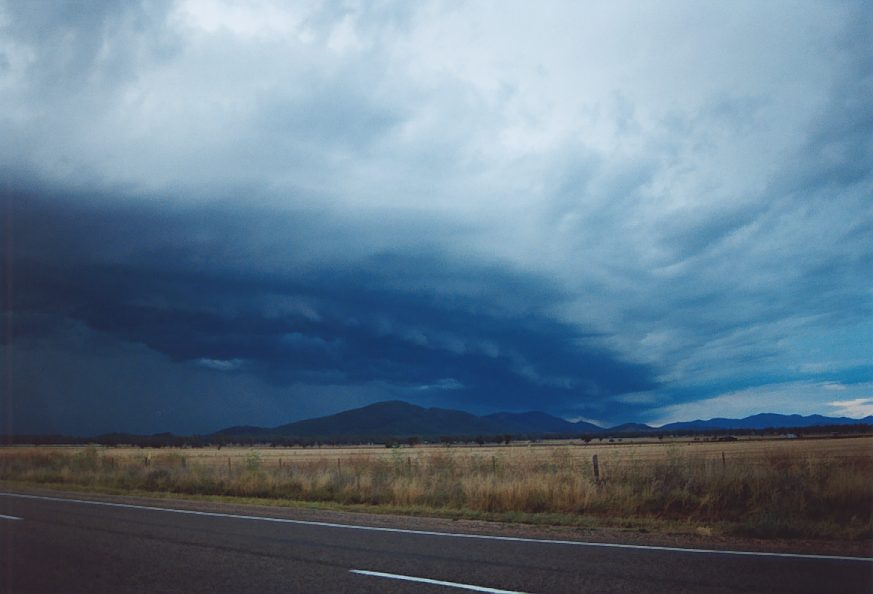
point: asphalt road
(64, 545)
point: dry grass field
(800, 487)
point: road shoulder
(606, 535)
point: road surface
(64, 544)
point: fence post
(596, 469)
(723, 463)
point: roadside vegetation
(805, 488)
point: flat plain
(802, 488)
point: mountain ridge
(399, 419)
(766, 421)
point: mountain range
(765, 421)
(399, 419)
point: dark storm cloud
(415, 321)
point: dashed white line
(2, 517)
(578, 543)
(409, 578)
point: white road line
(2, 517)
(578, 543)
(409, 578)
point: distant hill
(765, 421)
(631, 428)
(393, 418)
(384, 419)
(397, 419)
(400, 419)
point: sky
(247, 213)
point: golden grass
(765, 488)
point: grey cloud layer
(678, 195)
